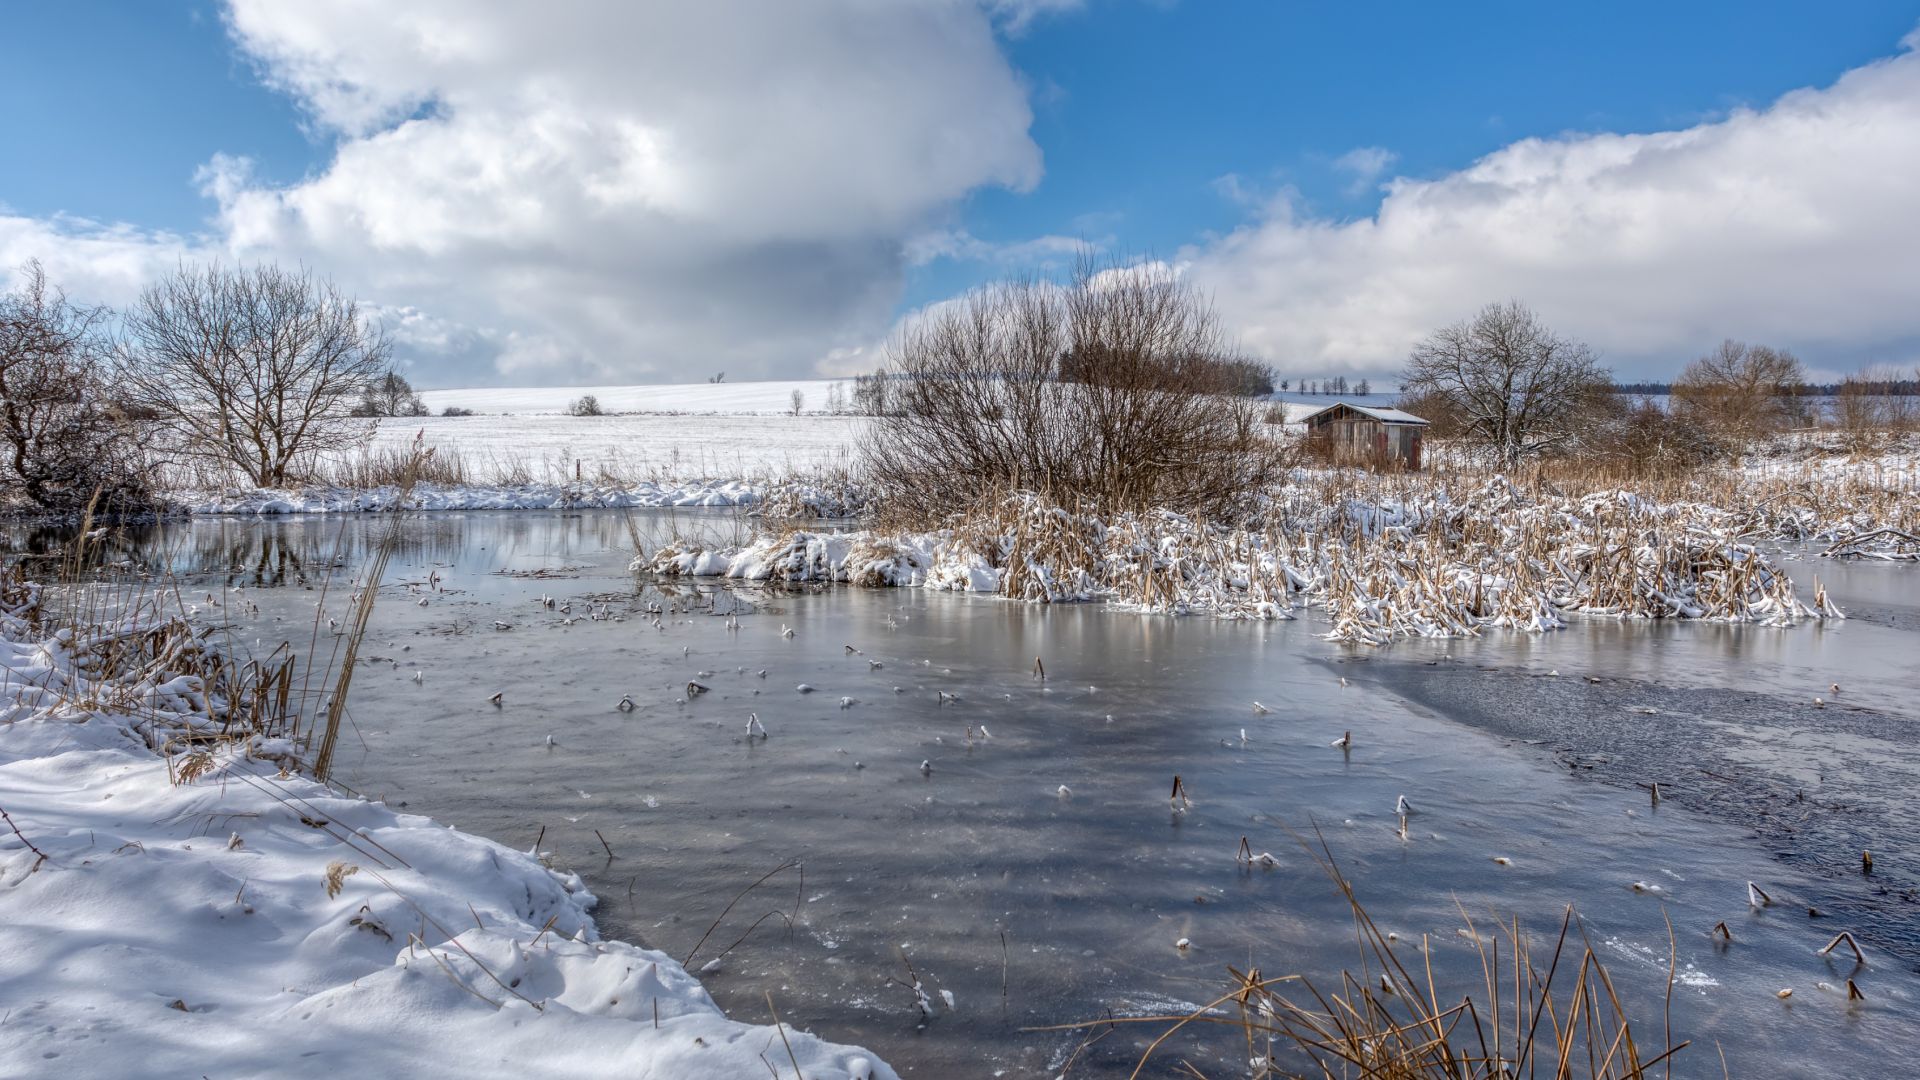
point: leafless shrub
(1640, 437)
(258, 369)
(1507, 382)
(1108, 391)
(798, 401)
(455, 410)
(1869, 410)
(1740, 392)
(66, 445)
(585, 405)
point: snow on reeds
(172, 681)
(1384, 557)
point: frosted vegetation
(1392, 558)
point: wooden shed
(1364, 434)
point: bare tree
(1113, 390)
(1508, 381)
(258, 369)
(872, 395)
(1740, 392)
(391, 395)
(586, 405)
(66, 446)
(798, 401)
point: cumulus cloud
(1794, 225)
(584, 190)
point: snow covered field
(680, 447)
(745, 397)
(252, 924)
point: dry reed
(1542, 1013)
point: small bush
(455, 410)
(1642, 438)
(586, 405)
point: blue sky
(1142, 108)
(1156, 128)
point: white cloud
(584, 190)
(1366, 163)
(1795, 225)
(94, 263)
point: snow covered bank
(215, 916)
(503, 497)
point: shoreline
(251, 922)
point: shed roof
(1385, 416)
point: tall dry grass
(1541, 1012)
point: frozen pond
(983, 873)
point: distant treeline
(1874, 387)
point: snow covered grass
(208, 911)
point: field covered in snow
(250, 923)
(678, 447)
(745, 397)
